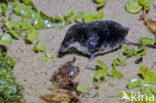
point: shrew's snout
(63, 48)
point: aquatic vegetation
(88, 17)
(145, 83)
(100, 3)
(10, 90)
(135, 6)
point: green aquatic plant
(145, 85)
(10, 90)
(88, 17)
(132, 6)
(100, 3)
(135, 6)
(103, 73)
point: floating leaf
(31, 34)
(100, 75)
(141, 52)
(146, 89)
(154, 90)
(24, 24)
(64, 102)
(48, 24)
(1, 10)
(62, 24)
(101, 3)
(116, 74)
(100, 15)
(102, 65)
(10, 24)
(69, 16)
(81, 89)
(133, 83)
(47, 57)
(121, 59)
(5, 39)
(59, 18)
(145, 40)
(143, 70)
(40, 47)
(132, 6)
(24, 11)
(38, 22)
(150, 78)
(146, 4)
(89, 17)
(129, 51)
(12, 4)
(79, 17)
(14, 34)
(27, 1)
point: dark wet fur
(94, 35)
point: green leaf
(154, 90)
(27, 1)
(146, 89)
(145, 40)
(1, 10)
(143, 70)
(5, 39)
(120, 61)
(40, 47)
(100, 74)
(12, 4)
(150, 78)
(31, 34)
(47, 57)
(11, 92)
(121, 58)
(10, 24)
(100, 15)
(24, 24)
(24, 11)
(62, 24)
(116, 74)
(89, 17)
(38, 22)
(81, 89)
(14, 34)
(132, 6)
(69, 16)
(48, 24)
(64, 102)
(146, 4)
(102, 65)
(141, 52)
(59, 18)
(79, 17)
(101, 3)
(129, 51)
(133, 83)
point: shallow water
(35, 74)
